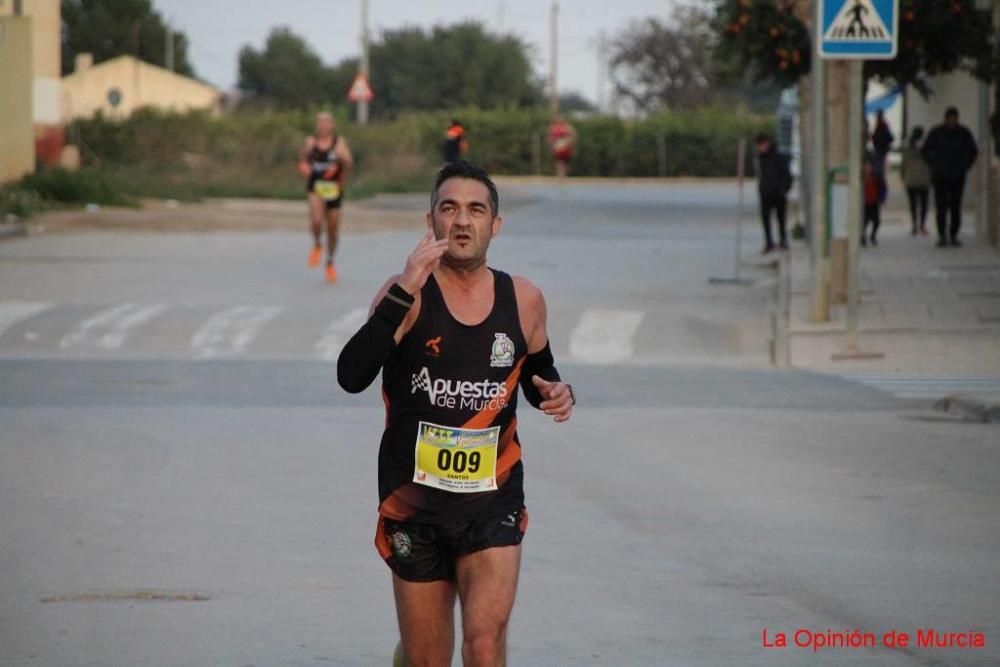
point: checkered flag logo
(421, 380)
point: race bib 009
(459, 460)
(327, 190)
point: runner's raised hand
(424, 259)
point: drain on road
(129, 596)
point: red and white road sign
(360, 90)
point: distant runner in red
(562, 138)
(324, 161)
(454, 339)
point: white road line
(604, 336)
(339, 332)
(109, 328)
(232, 330)
(12, 312)
(920, 387)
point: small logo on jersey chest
(502, 354)
(432, 347)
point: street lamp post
(554, 58)
(363, 103)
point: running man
(562, 139)
(324, 161)
(454, 338)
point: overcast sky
(218, 29)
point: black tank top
(320, 160)
(447, 374)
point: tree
(654, 65)
(287, 73)
(574, 101)
(935, 36)
(452, 66)
(110, 28)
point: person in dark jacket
(455, 144)
(774, 180)
(882, 139)
(874, 196)
(950, 151)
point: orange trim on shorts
(382, 540)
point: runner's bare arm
(393, 312)
(343, 152)
(303, 164)
(540, 381)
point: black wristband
(395, 304)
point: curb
(984, 409)
(13, 229)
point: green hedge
(195, 154)
(46, 188)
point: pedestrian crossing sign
(858, 29)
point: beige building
(119, 86)
(30, 32)
(17, 139)
(46, 30)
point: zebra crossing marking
(603, 336)
(339, 331)
(232, 330)
(109, 328)
(12, 312)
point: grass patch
(58, 188)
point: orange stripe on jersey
(400, 505)
(509, 452)
(485, 417)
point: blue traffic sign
(858, 29)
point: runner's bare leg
(332, 232)
(316, 210)
(426, 613)
(487, 583)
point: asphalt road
(182, 482)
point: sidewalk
(930, 311)
(924, 311)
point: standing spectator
(882, 139)
(455, 142)
(874, 194)
(950, 152)
(917, 179)
(774, 180)
(562, 139)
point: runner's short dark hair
(762, 137)
(463, 169)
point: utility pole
(817, 211)
(602, 70)
(363, 104)
(554, 59)
(169, 56)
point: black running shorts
(427, 552)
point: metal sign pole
(741, 154)
(820, 285)
(856, 30)
(855, 157)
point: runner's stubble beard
(473, 262)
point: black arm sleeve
(363, 356)
(542, 364)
